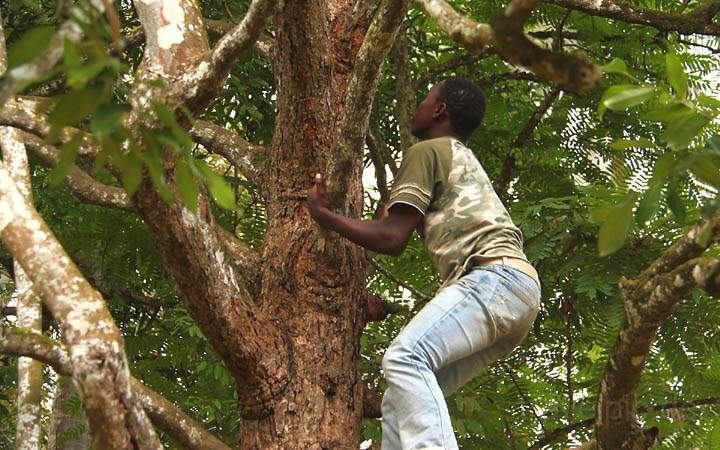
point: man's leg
(455, 324)
(390, 427)
(464, 319)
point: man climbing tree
(491, 293)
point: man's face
(426, 113)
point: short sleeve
(415, 179)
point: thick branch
(164, 414)
(96, 349)
(185, 430)
(377, 309)
(248, 158)
(29, 307)
(210, 76)
(698, 21)
(573, 73)
(616, 411)
(81, 184)
(367, 69)
(24, 114)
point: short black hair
(465, 103)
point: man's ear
(440, 110)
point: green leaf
(706, 167)
(680, 133)
(709, 102)
(73, 107)
(617, 226)
(618, 66)
(648, 205)
(131, 172)
(108, 118)
(31, 45)
(68, 155)
(676, 75)
(663, 167)
(626, 96)
(675, 202)
(167, 117)
(668, 113)
(186, 185)
(78, 77)
(623, 144)
(71, 55)
(221, 191)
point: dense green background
(567, 170)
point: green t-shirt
(464, 219)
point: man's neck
(442, 134)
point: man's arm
(388, 235)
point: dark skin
(390, 234)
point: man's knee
(400, 354)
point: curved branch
(210, 76)
(505, 34)
(247, 157)
(367, 69)
(86, 188)
(698, 21)
(645, 309)
(166, 416)
(99, 363)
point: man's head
(455, 106)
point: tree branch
(556, 434)
(648, 301)
(365, 77)
(166, 416)
(25, 74)
(29, 307)
(505, 34)
(192, 245)
(248, 158)
(210, 76)
(503, 180)
(96, 349)
(404, 91)
(420, 295)
(86, 188)
(379, 164)
(372, 401)
(698, 21)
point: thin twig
(421, 295)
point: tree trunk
(312, 280)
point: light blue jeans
(469, 324)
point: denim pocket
(510, 305)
